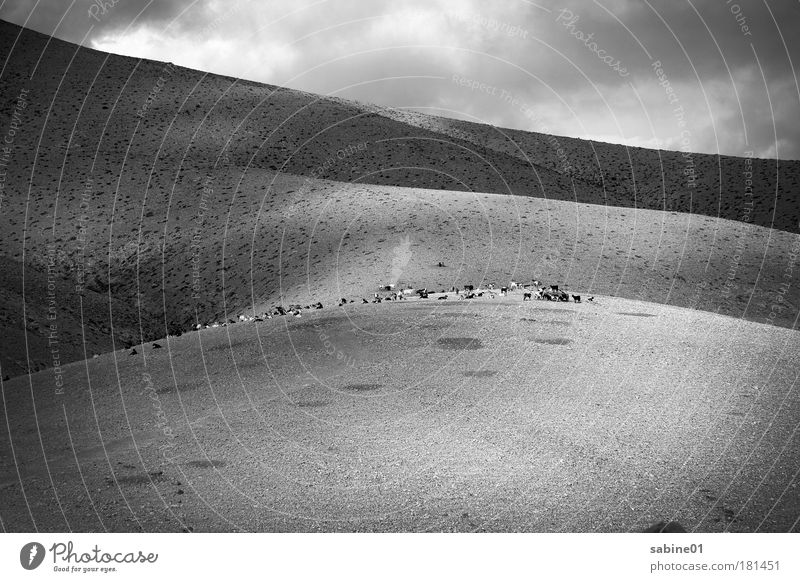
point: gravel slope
(486, 415)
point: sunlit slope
(282, 239)
(420, 416)
(144, 124)
(163, 197)
(751, 190)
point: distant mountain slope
(758, 191)
(127, 108)
(170, 196)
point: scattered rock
(665, 527)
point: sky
(712, 76)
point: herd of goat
(529, 292)
(533, 291)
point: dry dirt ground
(140, 199)
(483, 415)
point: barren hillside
(483, 415)
(156, 197)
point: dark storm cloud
(729, 64)
(715, 76)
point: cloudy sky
(704, 75)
